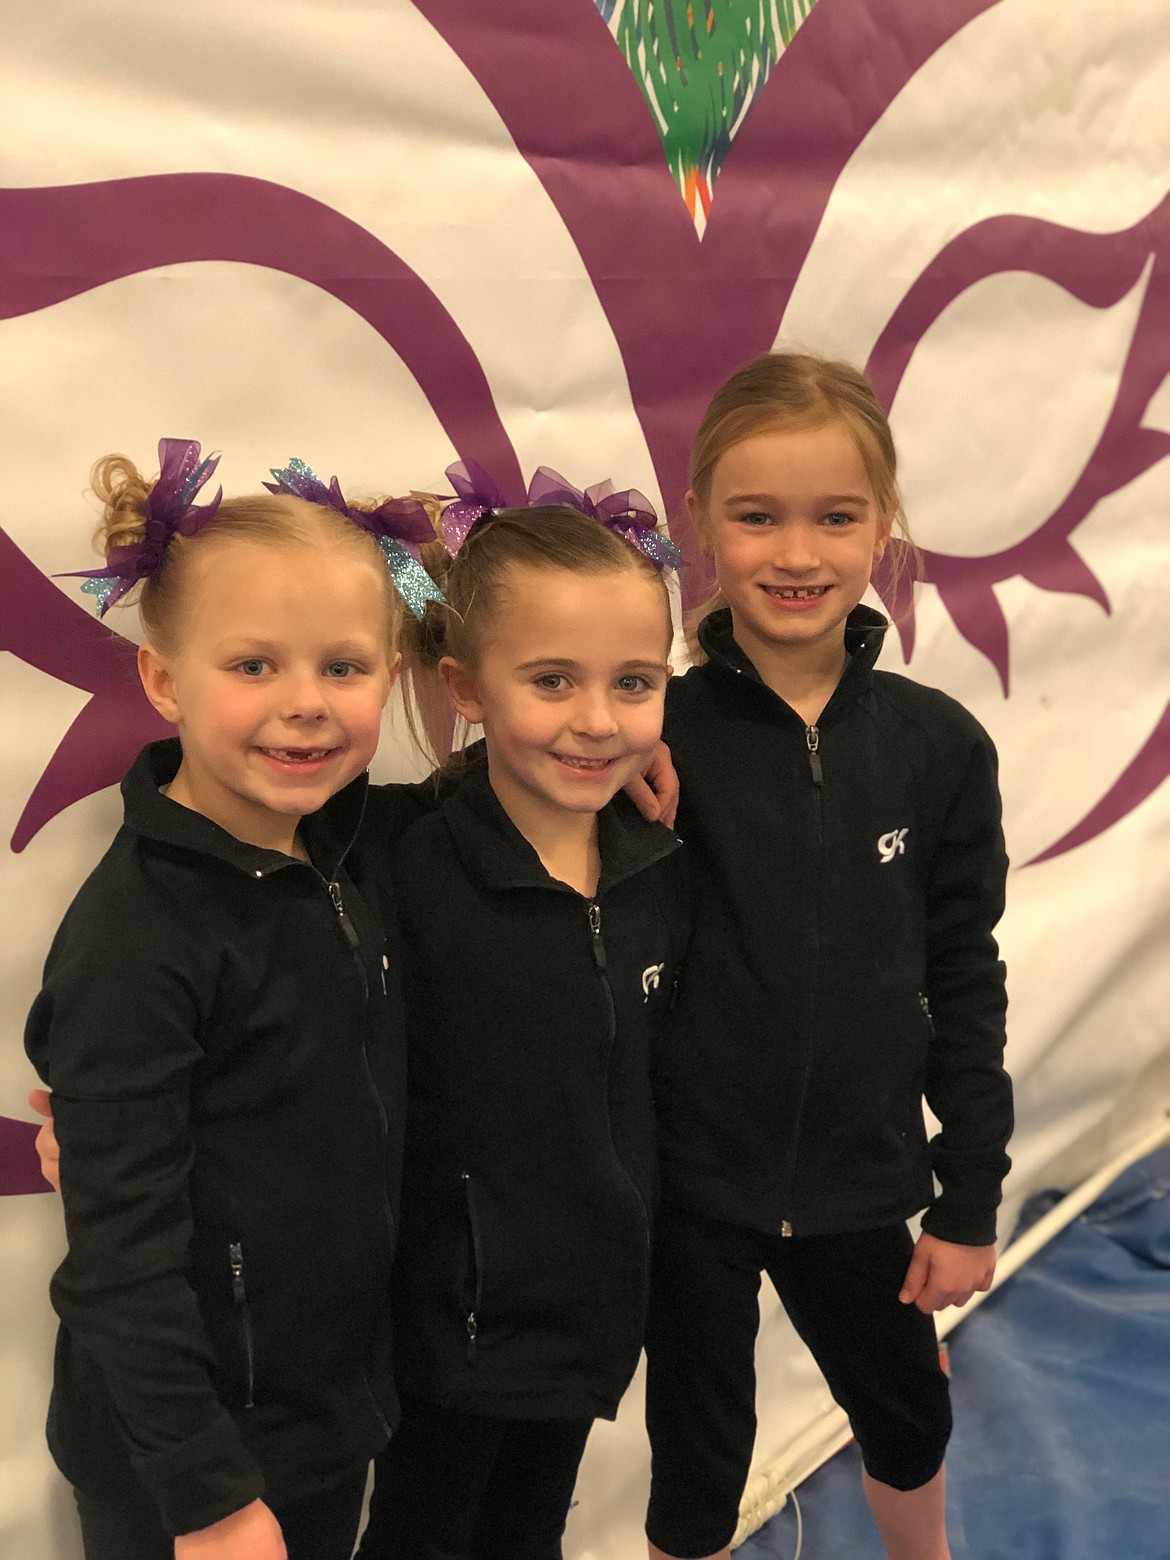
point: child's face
(277, 683)
(569, 687)
(795, 531)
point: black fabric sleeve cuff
(963, 1224)
(203, 1479)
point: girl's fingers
(49, 1154)
(644, 799)
(917, 1275)
(41, 1102)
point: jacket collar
(494, 851)
(328, 834)
(865, 630)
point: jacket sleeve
(966, 1085)
(114, 1035)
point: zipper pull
(347, 926)
(236, 1259)
(812, 737)
(595, 928)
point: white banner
(388, 236)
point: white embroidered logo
(892, 844)
(651, 979)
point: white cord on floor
(799, 1524)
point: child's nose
(795, 549)
(304, 699)
(593, 715)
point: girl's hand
(48, 1149)
(252, 1533)
(942, 1273)
(655, 792)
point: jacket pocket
(473, 1281)
(243, 1322)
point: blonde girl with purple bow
(227, 1073)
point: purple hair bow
(629, 513)
(398, 525)
(476, 495)
(170, 508)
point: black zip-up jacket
(847, 878)
(228, 1082)
(530, 1171)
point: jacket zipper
(599, 958)
(477, 1259)
(349, 932)
(240, 1300)
(353, 943)
(812, 739)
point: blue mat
(1061, 1389)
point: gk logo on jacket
(892, 844)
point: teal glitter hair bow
(398, 525)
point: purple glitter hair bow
(170, 509)
(628, 513)
(398, 525)
(476, 495)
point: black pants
(880, 1359)
(320, 1527)
(454, 1486)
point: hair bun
(123, 492)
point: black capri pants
(879, 1357)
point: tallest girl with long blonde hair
(844, 839)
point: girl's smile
(796, 598)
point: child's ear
(885, 526)
(394, 669)
(459, 681)
(158, 683)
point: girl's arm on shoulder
(113, 1034)
(966, 1085)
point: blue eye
(341, 669)
(756, 517)
(551, 682)
(634, 684)
(253, 667)
(838, 519)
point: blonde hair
(473, 582)
(784, 392)
(271, 518)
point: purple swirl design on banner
(19, 1167)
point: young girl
(227, 1072)
(843, 830)
(543, 919)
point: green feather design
(699, 64)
